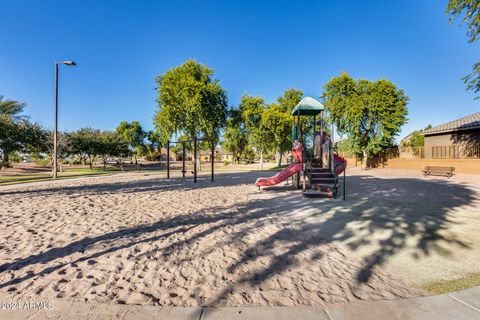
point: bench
(438, 171)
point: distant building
(225, 155)
(455, 139)
(406, 141)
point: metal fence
(469, 151)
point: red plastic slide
(281, 176)
(339, 160)
(285, 173)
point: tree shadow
(147, 183)
(405, 212)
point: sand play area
(138, 238)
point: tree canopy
(235, 139)
(16, 132)
(133, 134)
(11, 108)
(261, 126)
(190, 101)
(370, 113)
(470, 10)
(417, 139)
(277, 122)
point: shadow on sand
(406, 208)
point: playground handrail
(334, 169)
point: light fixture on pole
(55, 131)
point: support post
(333, 133)
(322, 138)
(55, 130)
(299, 128)
(195, 159)
(213, 158)
(313, 137)
(330, 154)
(293, 132)
(304, 180)
(299, 137)
(183, 160)
(168, 159)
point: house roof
(308, 106)
(407, 137)
(469, 122)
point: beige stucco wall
(450, 139)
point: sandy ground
(462, 166)
(423, 229)
(142, 239)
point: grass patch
(67, 174)
(443, 287)
(278, 168)
(88, 170)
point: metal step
(322, 174)
(317, 194)
(323, 186)
(319, 170)
(322, 180)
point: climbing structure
(315, 164)
(322, 167)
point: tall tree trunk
(365, 160)
(104, 165)
(278, 157)
(136, 161)
(91, 162)
(261, 159)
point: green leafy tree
(416, 138)
(11, 108)
(274, 128)
(277, 127)
(110, 145)
(152, 149)
(289, 100)
(63, 147)
(177, 148)
(18, 136)
(190, 102)
(370, 113)
(251, 110)
(470, 10)
(235, 140)
(86, 143)
(133, 134)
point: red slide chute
(285, 173)
(339, 160)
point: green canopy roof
(308, 107)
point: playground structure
(313, 156)
(195, 141)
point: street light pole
(55, 130)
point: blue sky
(259, 47)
